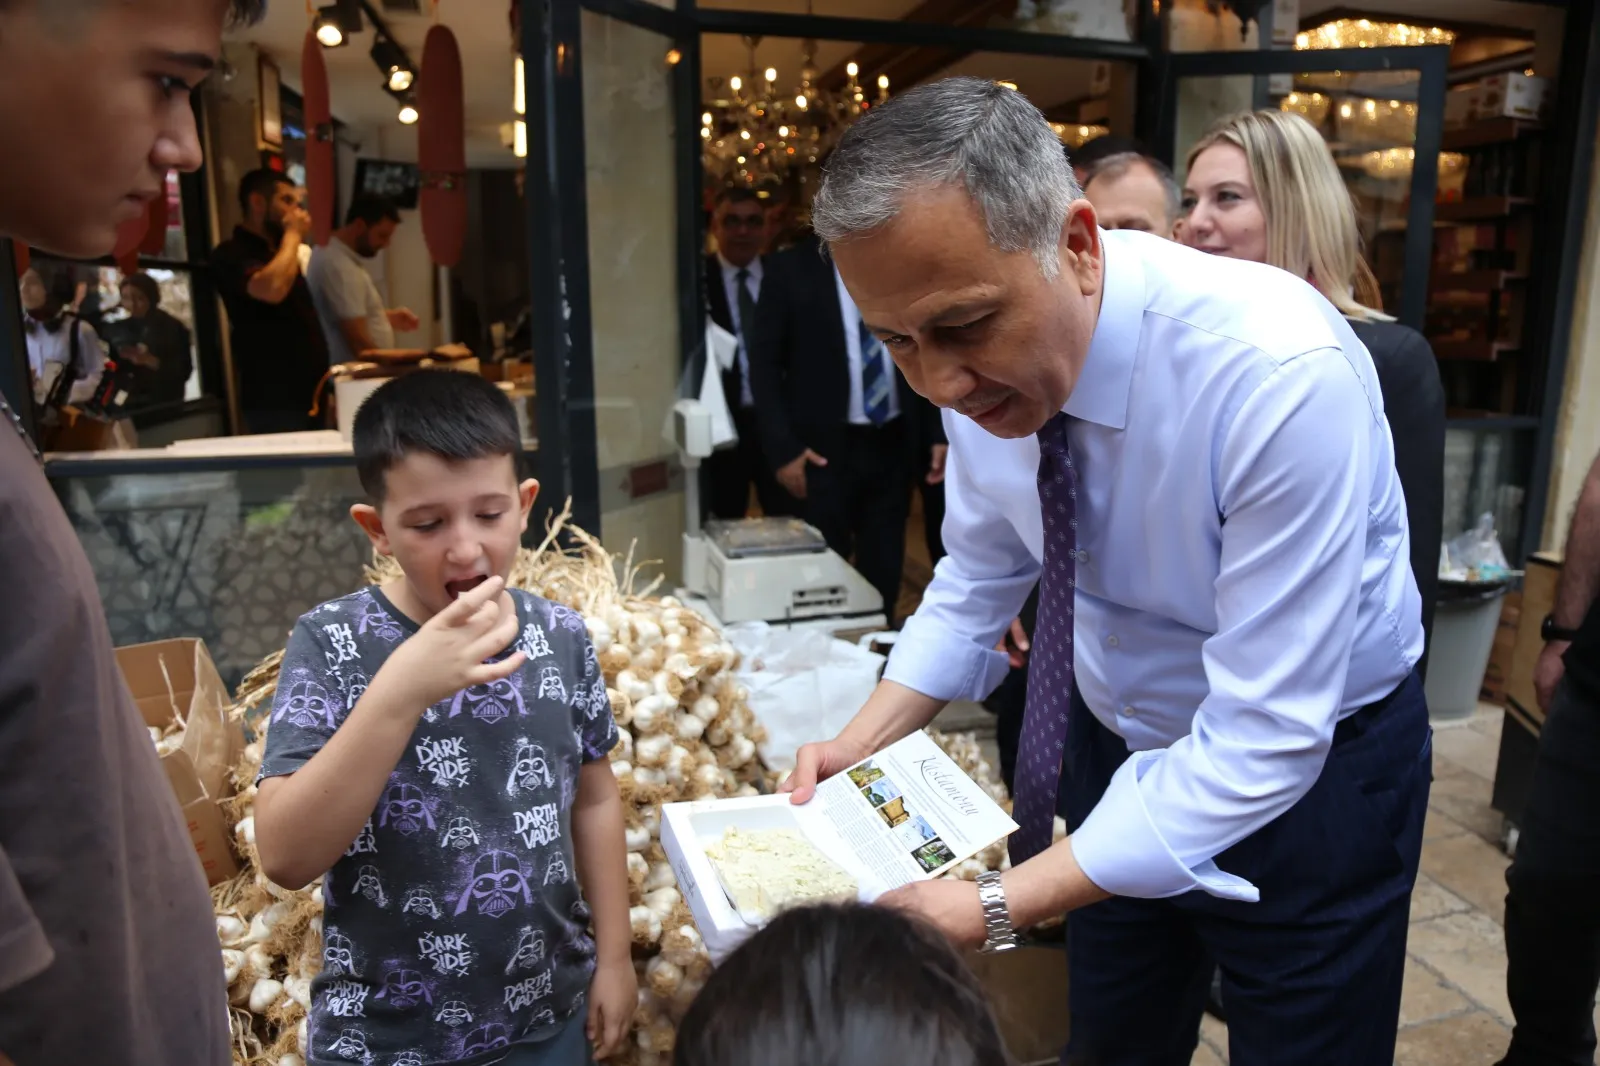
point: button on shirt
(730, 286)
(1244, 581)
(342, 289)
(852, 341)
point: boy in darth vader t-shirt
(437, 746)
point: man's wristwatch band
(1001, 936)
(1548, 630)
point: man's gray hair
(1113, 167)
(968, 131)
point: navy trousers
(1311, 973)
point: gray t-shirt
(108, 947)
(342, 289)
(454, 925)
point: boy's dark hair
(262, 182)
(372, 209)
(843, 985)
(452, 414)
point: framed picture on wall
(270, 130)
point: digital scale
(775, 570)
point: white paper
(906, 814)
(723, 346)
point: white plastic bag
(804, 685)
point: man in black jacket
(839, 425)
(734, 275)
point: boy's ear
(527, 492)
(371, 522)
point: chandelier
(755, 132)
(1366, 33)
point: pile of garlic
(685, 731)
(169, 738)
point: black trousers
(1553, 906)
(728, 474)
(1008, 702)
(861, 501)
(1312, 972)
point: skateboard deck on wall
(321, 192)
(442, 147)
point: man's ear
(527, 492)
(371, 522)
(1081, 251)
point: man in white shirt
(352, 313)
(1191, 456)
(733, 275)
(59, 342)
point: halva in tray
(764, 871)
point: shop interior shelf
(1492, 131)
(1477, 281)
(1475, 349)
(1480, 208)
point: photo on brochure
(880, 792)
(865, 774)
(894, 812)
(933, 855)
(916, 831)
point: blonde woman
(1263, 186)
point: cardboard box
(1027, 989)
(1504, 651)
(1510, 96)
(1460, 105)
(176, 678)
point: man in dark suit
(733, 287)
(839, 425)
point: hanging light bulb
(519, 140)
(883, 81)
(744, 135)
(705, 118)
(329, 35)
(783, 131)
(801, 102)
(736, 83)
(519, 88)
(772, 74)
(852, 68)
(408, 114)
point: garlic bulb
(690, 727)
(682, 946)
(599, 634)
(647, 633)
(662, 976)
(299, 990)
(706, 709)
(230, 930)
(232, 963)
(659, 877)
(264, 995)
(637, 838)
(638, 869)
(662, 901)
(633, 688)
(653, 749)
(291, 1059)
(624, 747)
(646, 925)
(245, 832)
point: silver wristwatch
(996, 916)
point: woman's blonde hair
(1311, 220)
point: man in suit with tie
(840, 426)
(733, 286)
(1191, 459)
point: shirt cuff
(1119, 848)
(931, 659)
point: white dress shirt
(50, 352)
(730, 287)
(852, 343)
(1244, 580)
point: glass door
(1382, 113)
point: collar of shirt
(730, 273)
(1101, 392)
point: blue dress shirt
(1244, 578)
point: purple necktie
(1044, 725)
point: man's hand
(936, 464)
(613, 997)
(447, 654)
(139, 355)
(818, 762)
(952, 906)
(403, 319)
(1015, 644)
(297, 222)
(792, 475)
(1548, 671)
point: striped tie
(876, 378)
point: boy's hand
(447, 654)
(613, 997)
